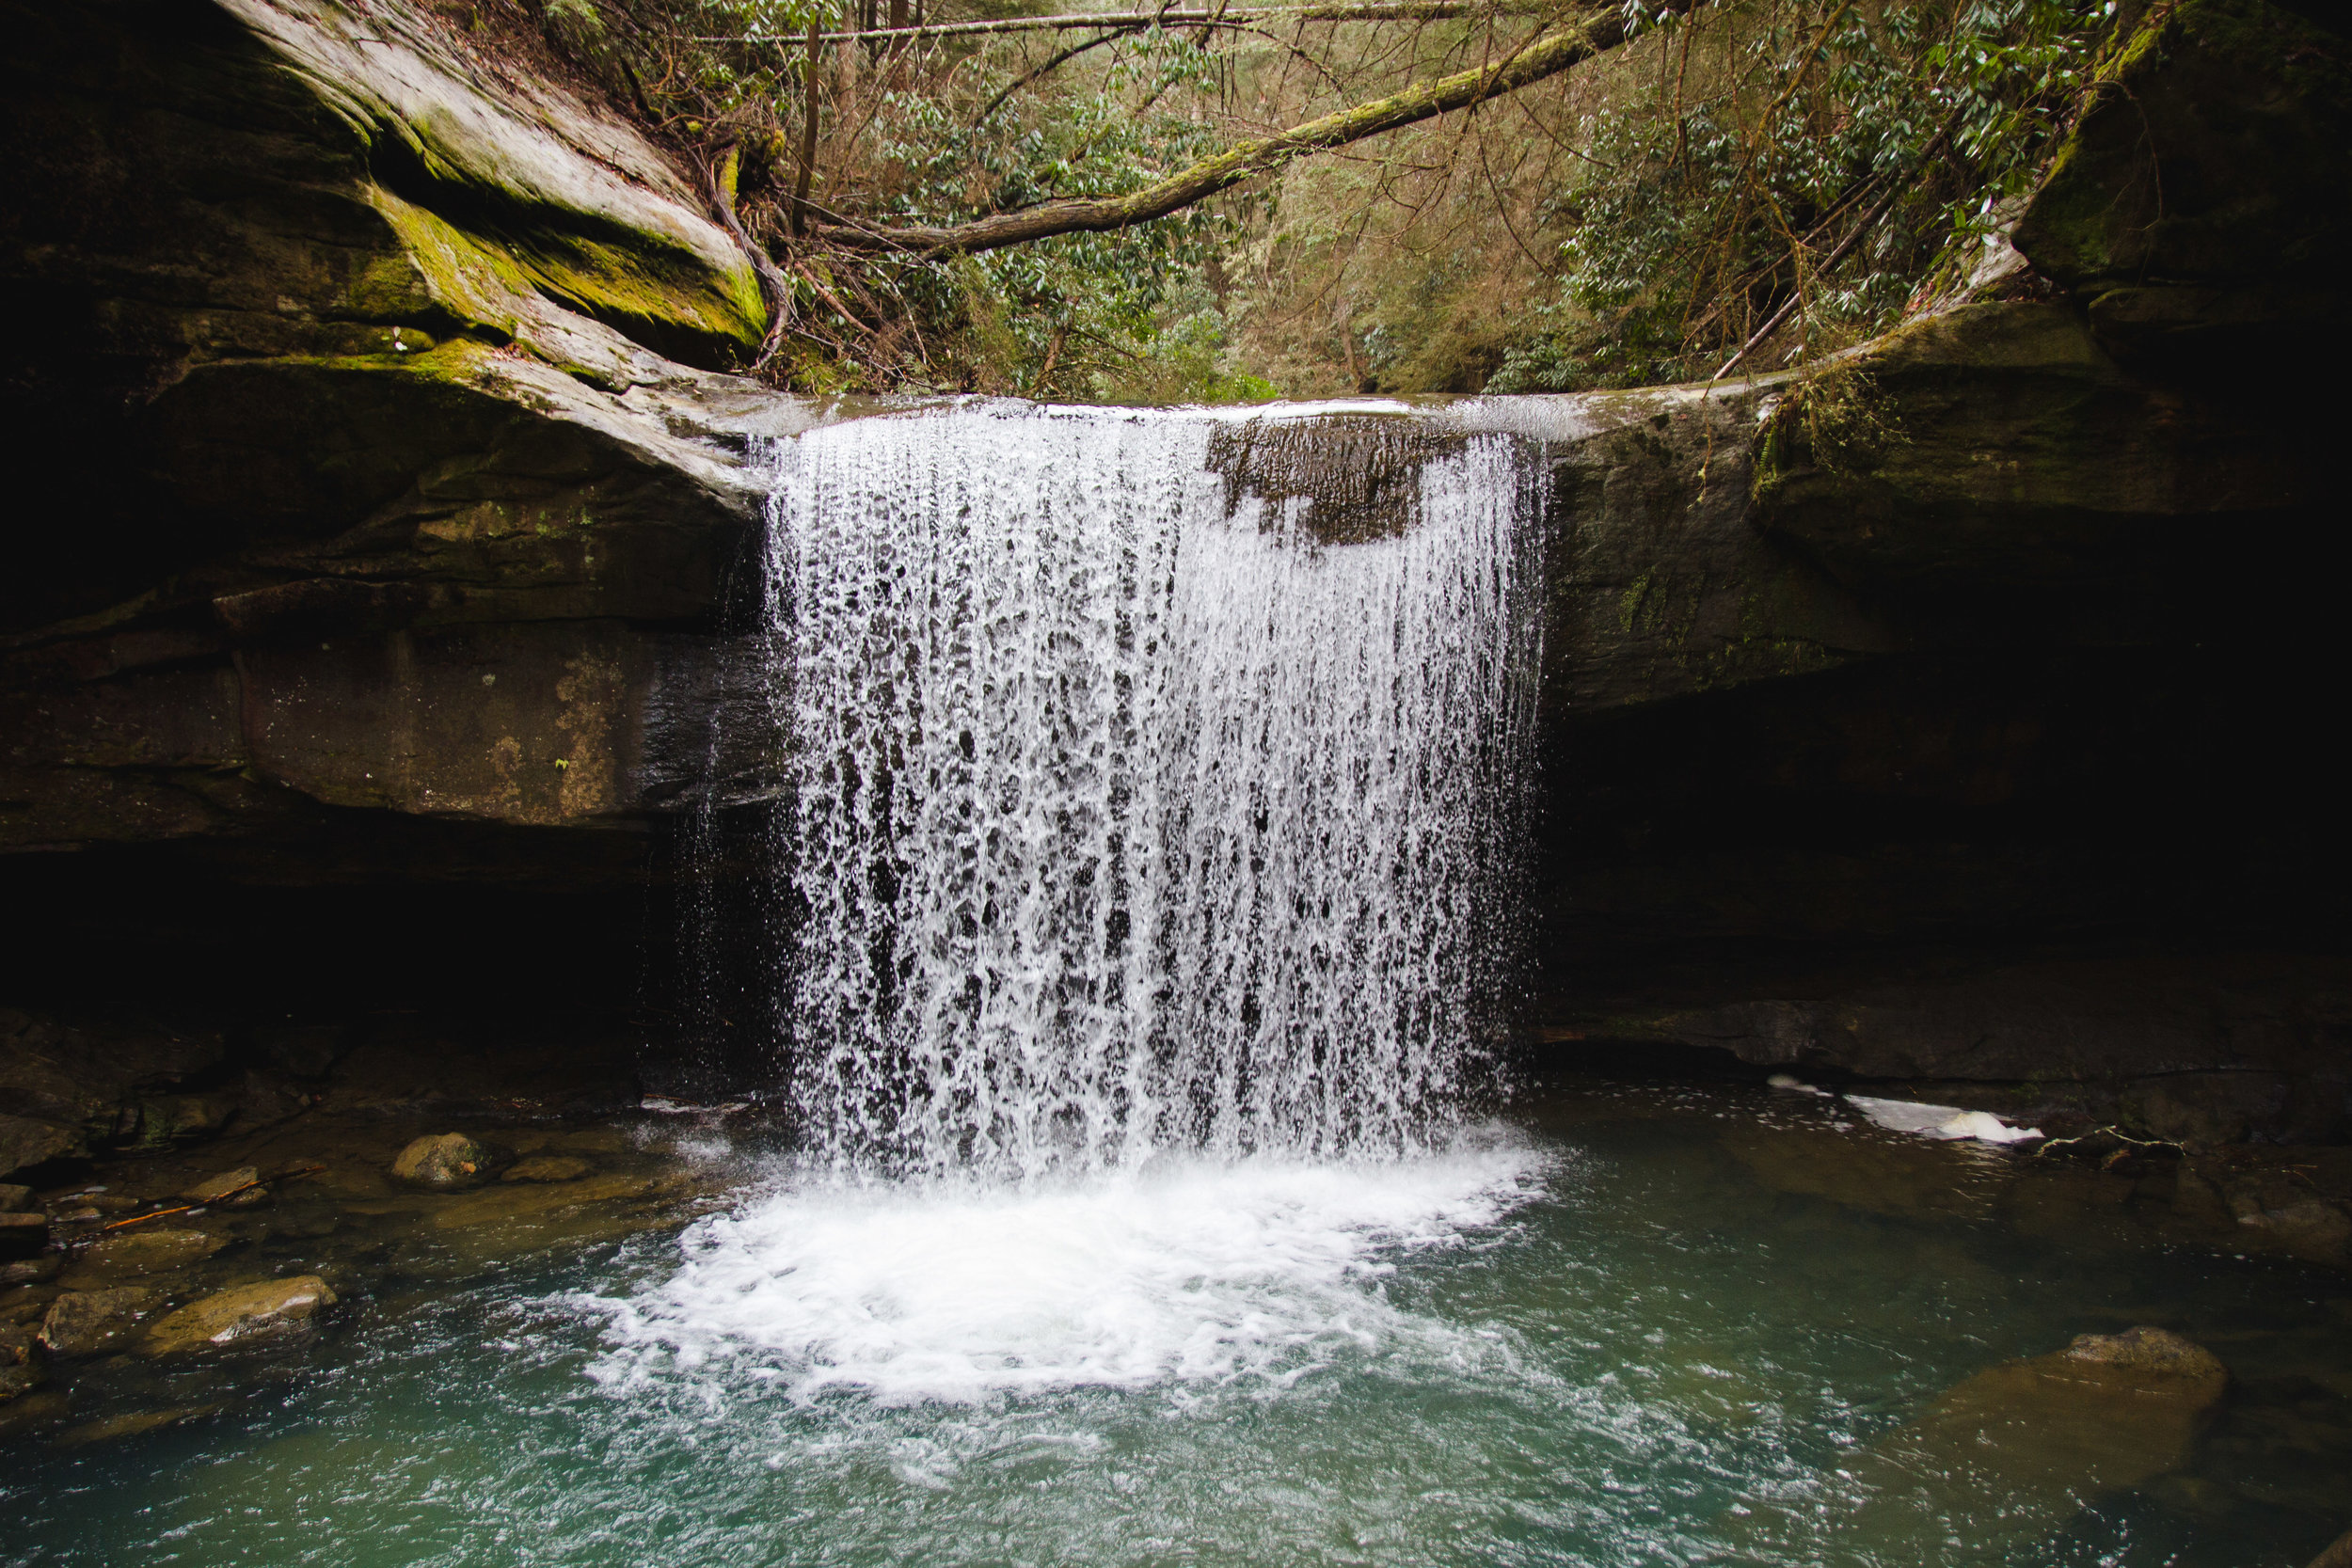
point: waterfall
(1155, 777)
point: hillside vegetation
(1222, 203)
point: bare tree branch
(1354, 10)
(1601, 29)
(1059, 58)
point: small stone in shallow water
(103, 1203)
(29, 1271)
(266, 1309)
(550, 1167)
(90, 1322)
(444, 1161)
(13, 1198)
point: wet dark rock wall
(2042, 805)
(380, 587)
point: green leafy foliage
(1760, 180)
(1077, 314)
(1886, 140)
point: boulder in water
(2109, 1412)
(90, 1322)
(2014, 1451)
(445, 1162)
(268, 1309)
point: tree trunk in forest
(808, 136)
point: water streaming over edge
(1131, 812)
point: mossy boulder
(445, 1162)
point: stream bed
(1621, 1324)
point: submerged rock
(550, 1167)
(29, 1271)
(33, 1411)
(14, 1199)
(230, 1188)
(444, 1161)
(21, 1370)
(2316, 1229)
(2108, 1413)
(1870, 1171)
(2017, 1448)
(127, 1254)
(26, 1304)
(268, 1309)
(115, 1427)
(2155, 1352)
(90, 1322)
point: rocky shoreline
(163, 1289)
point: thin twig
(1058, 57)
(223, 1197)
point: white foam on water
(1253, 1273)
(1940, 1121)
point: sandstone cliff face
(372, 447)
(1974, 737)
(379, 564)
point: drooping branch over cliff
(1546, 55)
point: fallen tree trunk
(1359, 10)
(1548, 54)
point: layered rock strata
(381, 604)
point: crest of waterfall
(1132, 810)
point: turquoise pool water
(1624, 1325)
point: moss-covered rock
(1656, 584)
(345, 336)
(264, 1312)
(1999, 447)
(445, 1162)
(2201, 208)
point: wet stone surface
(177, 1290)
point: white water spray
(1133, 811)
